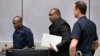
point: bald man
(22, 36)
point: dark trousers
(87, 54)
(59, 53)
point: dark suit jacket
(61, 28)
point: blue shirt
(84, 31)
(23, 37)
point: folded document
(51, 39)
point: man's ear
(78, 11)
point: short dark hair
(81, 5)
(56, 11)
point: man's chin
(51, 21)
(15, 28)
(75, 16)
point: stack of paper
(48, 39)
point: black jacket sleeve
(65, 32)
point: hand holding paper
(50, 47)
(50, 40)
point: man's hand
(95, 46)
(50, 47)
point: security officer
(84, 33)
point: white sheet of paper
(50, 39)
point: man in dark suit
(61, 28)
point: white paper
(50, 39)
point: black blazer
(61, 28)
